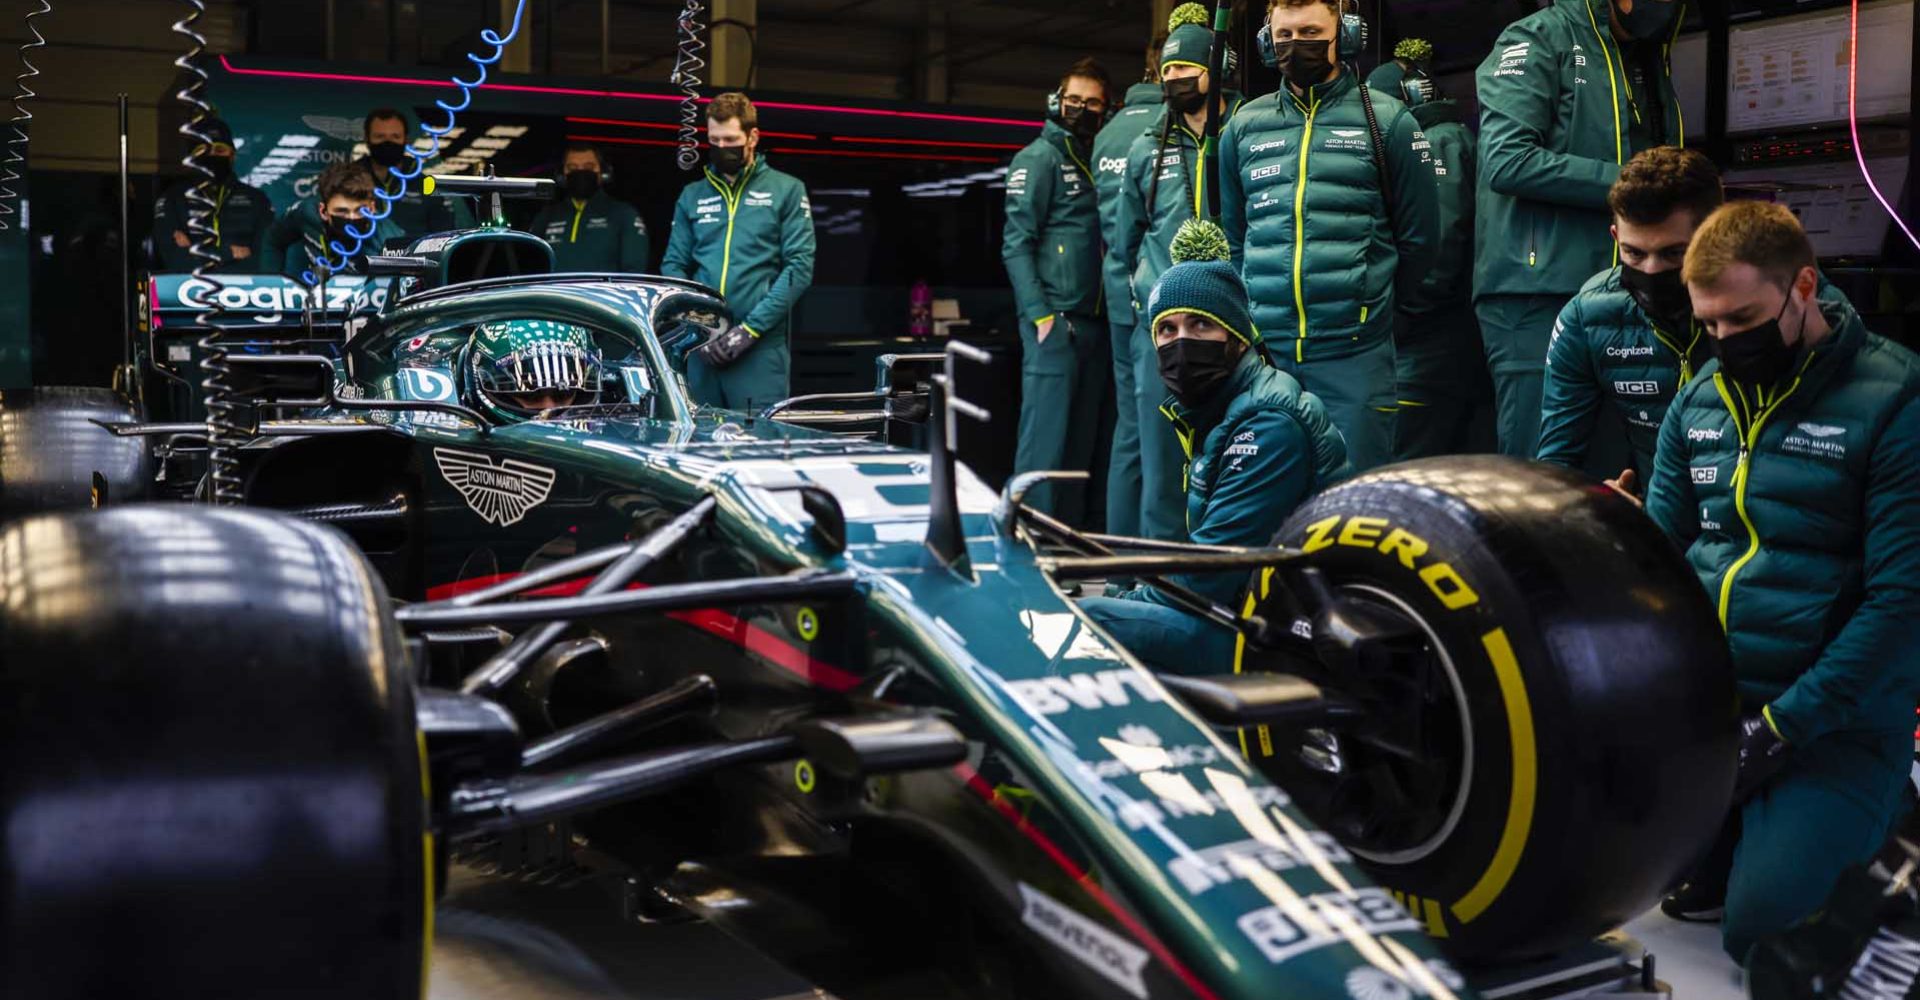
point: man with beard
(1053, 258)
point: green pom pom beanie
(1189, 37)
(1204, 281)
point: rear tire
(1578, 734)
(212, 782)
(50, 451)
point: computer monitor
(1689, 59)
(1841, 216)
(1791, 72)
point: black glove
(1762, 754)
(727, 347)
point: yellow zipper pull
(1532, 257)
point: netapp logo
(1630, 352)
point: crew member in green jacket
(1164, 188)
(416, 213)
(240, 218)
(1789, 470)
(1258, 445)
(1567, 96)
(746, 229)
(590, 230)
(1052, 253)
(1327, 193)
(305, 236)
(1439, 363)
(1109, 166)
(1629, 337)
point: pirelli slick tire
(210, 774)
(51, 451)
(1570, 746)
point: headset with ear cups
(1353, 41)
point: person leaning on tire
(1567, 96)
(1261, 445)
(1053, 258)
(1629, 337)
(1327, 194)
(1789, 470)
(746, 230)
(1142, 106)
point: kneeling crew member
(1258, 445)
(1327, 193)
(591, 231)
(746, 230)
(241, 215)
(1629, 337)
(1790, 472)
(1052, 254)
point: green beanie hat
(1203, 280)
(1189, 37)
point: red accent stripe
(978, 785)
(289, 74)
(731, 628)
(624, 140)
(923, 142)
(670, 127)
(864, 154)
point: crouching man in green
(1257, 445)
(1789, 470)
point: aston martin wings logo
(501, 493)
(1822, 430)
(333, 126)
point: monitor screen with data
(1792, 72)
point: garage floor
(499, 940)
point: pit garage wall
(16, 306)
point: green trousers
(756, 381)
(1167, 639)
(1516, 329)
(1163, 463)
(1063, 384)
(1444, 396)
(1830, 808)
(1123, 460)
(1358, 391)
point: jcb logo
(1380, 535)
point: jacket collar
(1141, 94)
(1321, 92)
(1848, 336)
(1234, 100)
(1437, 113)
(1059, 138)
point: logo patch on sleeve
(500, 493)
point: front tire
(51, 451)
(212, 779)
(1572, 727)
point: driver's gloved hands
(1762, 754)
(727, 347)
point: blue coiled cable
(361, 233)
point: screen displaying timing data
(1791, 72)
(1841, 216)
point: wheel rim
(1442, 783)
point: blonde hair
(1762, 235)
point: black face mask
(582, 184)
(1758, 357)
(1183, 95)
(387, 154)
(1305, 62)
(1081, 123)
(1650, 19)
(1193, 369)
(337, 233)
(222, 167)
(1663, 297)
(727, 161)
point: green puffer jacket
(1449, 281)
(1146, 233)
(1052, 243)
(1144, 101)
(1301, 201)
(602, 234)
(1557, 120)
(752, 241)
(242, 217)
(1798, 515)
(1254, 453)
(295, 241)
(415, 214)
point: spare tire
(210, 774)
(50, 450)
(1570, 744)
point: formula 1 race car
(826, 693)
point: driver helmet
(518, 368)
